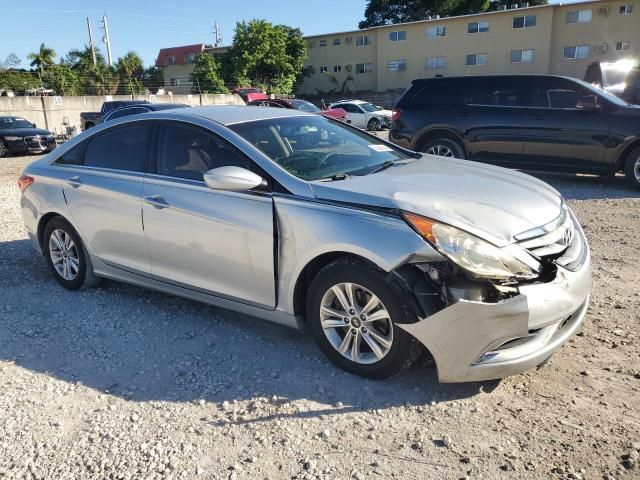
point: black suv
(535, 122)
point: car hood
(491, 202)
(383, 113)
(24, 132)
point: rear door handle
(74, 182)
(156, 201)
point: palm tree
(44, 57)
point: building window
(337, 42)
(363, 40)
(579, 51)
(177, 81)
(436, 62)
(478, 27)
(522, 56)
(400, 36)
(324, 69)
(435, 32)
(337, 68)
(171, 60)
(626, 9)
(364, 67)
(311, 44)
(397, 65)
(477, 59)
(190, 58)
(622, 46)
(580, 16)
(526, 21)
(322, 43)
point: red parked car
(250, 94)
(303, 105)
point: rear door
(560, 135)
(494, 119)
(102, 186)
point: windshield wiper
(335, 178)
(384, 166)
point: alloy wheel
(3, 149)
(440, 150)
(356, 323)
(374, 125)
(64, 254)
(636, 169)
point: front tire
(4, 150)
(66, 256)
(353, 314)
(374, 125)
(632, 168)
(444, 147)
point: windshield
(603, 93)
(370, 107)
(315, 148)
(304, 106)
(14, 122)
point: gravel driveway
(124, 383)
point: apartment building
(557, 39)
(177, 64)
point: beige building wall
(547, 39)
(177, 78)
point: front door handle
(74, 182)
(156, 201)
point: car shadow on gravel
(146, 346)
(588, 187)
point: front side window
(579, 16)
(578, 51)
(315, 148)
(477, 59)
(478, 27)
(522, 56)
(435, 32)
(397, 65)
(364, 67)
(399, 36)
(185, 151)
(120, 148)
(526, 21)
(436, 62)
(13, 122)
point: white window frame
(576, 50)
(483, 55)
(190, 58)
(584, 16)
(626, 9)
(361, 42)
(399, 65)
(322, 43)
(366, 68)
(522, 55)
(397, 35)
(171, 60)
(624, 45)
(479, 24)
(324, 69)
(337, 69)
(433, 63)
(436, 31)
(524, 21)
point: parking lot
(121, 382)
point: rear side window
(73, 157)
(434, 94)
(122, 148)
(126, 112)
(498, 92)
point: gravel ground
(124, 383)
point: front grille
(37, 141)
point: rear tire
(384, 349)
(67, 257)
(632, 168)
(444, 147)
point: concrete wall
(52, 113)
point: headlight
(12, 139)
(478, 257)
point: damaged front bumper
(475, 341)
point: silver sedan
(379, 252)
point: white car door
(355, 115)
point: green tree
(206, 76)
(63, 80)
(153, 79)
(18, 80)
(266, 55)
(386, 12)
(12, 61)
(130, 68)
(42, 58)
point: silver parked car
(379, 252)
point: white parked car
(363, 114)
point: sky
(146, 26)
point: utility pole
(93, 47)
(107, 40)
(216, 33)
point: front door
(355, 115)
(560, 135)
(216, 242)
(102, 182)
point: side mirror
(33, 125)
(235, 179)
(587, 102)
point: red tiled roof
(178, 53)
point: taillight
(395, 114)
(25, 182)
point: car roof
(472, 77)
(230, 114)
(349, 101)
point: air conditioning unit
(348, 39)
(601, 48)
(514, 6)
(603, 11)
(502, 8)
